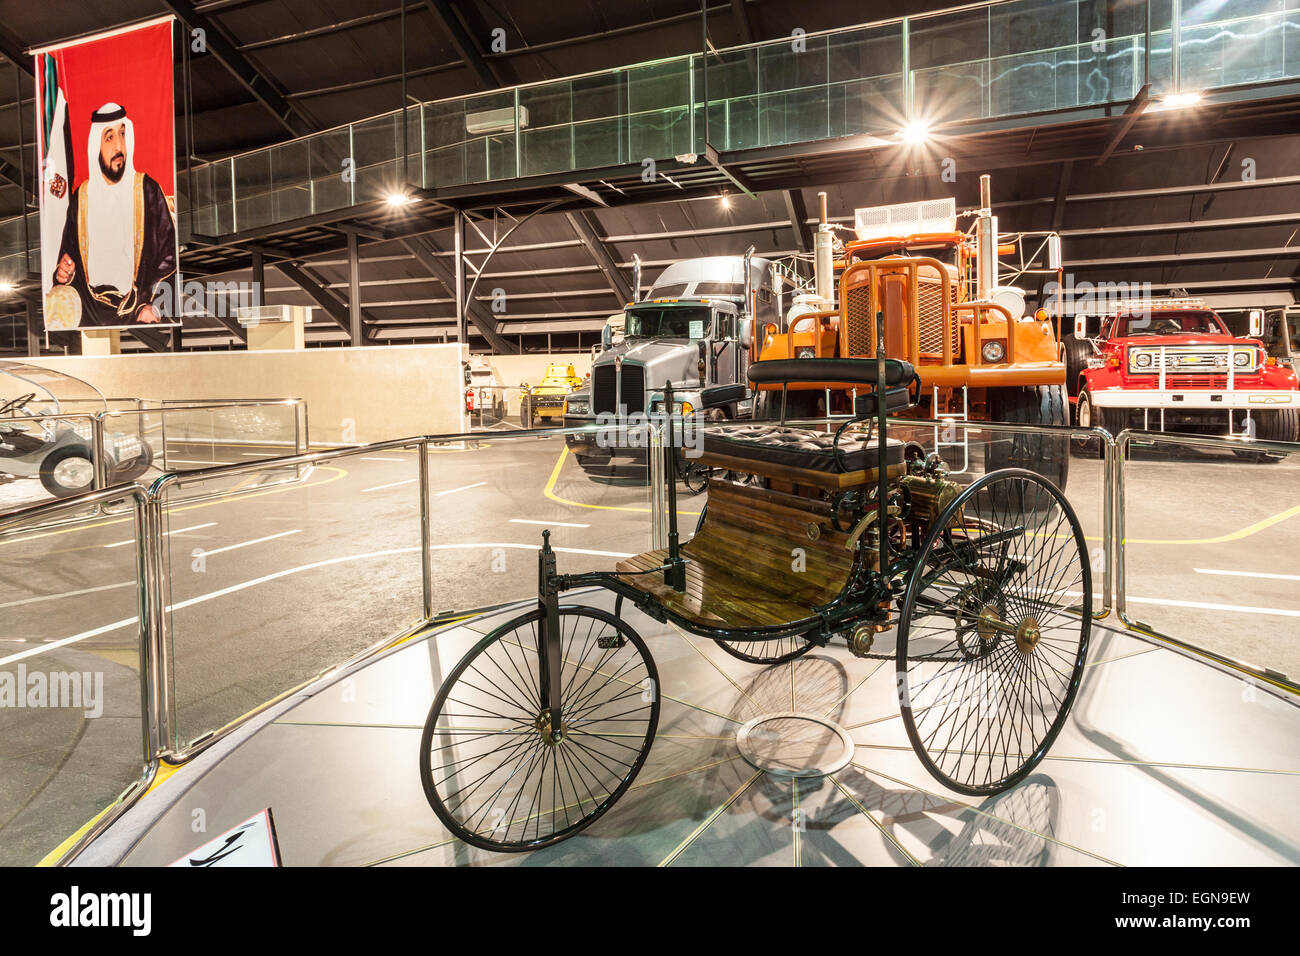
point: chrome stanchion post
(1108, 521)
(100, 479)
(156, 629)
(426, 539)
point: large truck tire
(137, 466)
(1087, 415)
(1279, 424)
(1048, 456)
(1075, 354)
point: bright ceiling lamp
(725, 200)
(915, 133)
(6, 286)
(397, 200)
(1178, 101)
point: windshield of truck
(669, 322)
(1170, 323)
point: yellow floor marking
(549, 491)
(164, 771)
(1245, 532)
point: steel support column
(355, 325)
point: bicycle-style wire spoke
(993, 633)
(494, 768)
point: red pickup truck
(1174, 366)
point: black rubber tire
(1075, 354)
(521, 682)
(1279, 424)
(1087, 415)
(1043, 455)
(133, 469)
(964, 709)
(51, 483)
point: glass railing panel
(546, 143)
(949, 93)
(491, 498)
(1234, 52)
(290, 180)
(659, 108)
(44, 457)
(444, 143)
(793, 106)
(1216, 569)
(333, 170)
(71, 722)
(269, 588)
(599, 117)
(487, 128)
(254, 202)
(377, 147)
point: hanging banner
(105, 131)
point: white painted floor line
(127, 622)
(376, 458)
(452, 491)
(196, 461)
(549, 524)
(1240, 609)
(1249, 574)
(391, 484)
(245, 544)
(122, 544)
(62, 594)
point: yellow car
(544, 403)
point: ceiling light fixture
(915, 133)
(1177, 101)
(399, 199)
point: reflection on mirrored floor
(1164, 761)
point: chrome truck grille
(607, 395)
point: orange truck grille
(860, 319)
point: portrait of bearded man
(119, 238)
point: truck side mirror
(746, 332)
(1256, 323)
(606, 337)
(1080, 326)
(1054, 252)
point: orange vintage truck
(946, 311)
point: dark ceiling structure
(1140, 196)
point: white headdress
(110, 229)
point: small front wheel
(496, 771)
(993, 632)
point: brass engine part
(929, 496)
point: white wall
(384, 392)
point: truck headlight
(993, 351)
(1241, 359)
(577, 407)
(1142, 360)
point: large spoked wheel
(993, 633)
(494, 770)
(776, 651)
